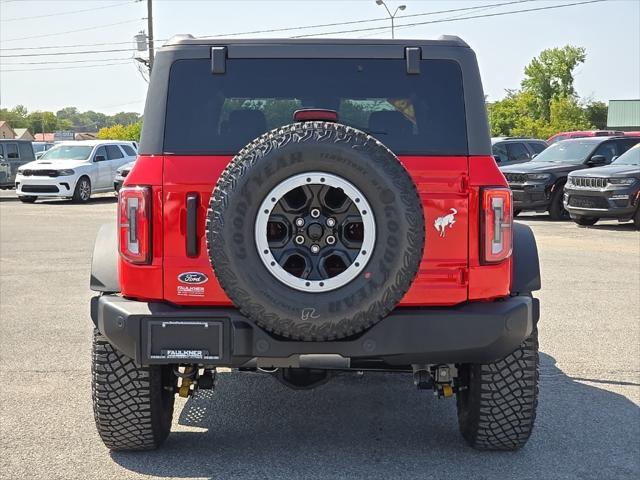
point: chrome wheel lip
(301, 284)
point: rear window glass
(219, 114)
(128, 150)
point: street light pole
(391, 16)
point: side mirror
(99, 158)
(497, 158)
(597, 160)
(534, 156)
(615, 157)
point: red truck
(306, 207)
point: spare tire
(315, 231)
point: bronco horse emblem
(441, 223)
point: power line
(83, 52)
(15, 19)
(68, 61)
(64, 68)
(72, 31)
(130, 42)
(355, 22)
(550, 7)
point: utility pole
(150, 28)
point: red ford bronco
(301, 208)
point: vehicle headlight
(64, 173)
(622, 181)
(538, 176)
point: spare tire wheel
(315, 231)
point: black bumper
(531, 197)
(159, 333)
(619, 203)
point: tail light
(134, 220)
(497, 224)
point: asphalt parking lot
(375, 426)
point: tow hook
(444, 381)
(439, 378)
(192, 380)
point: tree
(17, 116)
(121, 132)
(596, 113)
(42, 122)
(550, 76)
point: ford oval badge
(193, 278)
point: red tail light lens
(134, 220)
(497, 224)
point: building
(624, 115)
(6, 131)
(44, 137)
(23, 134)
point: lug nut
(315, 248)
(300, 222)
(315, 213)
(331, 222)
(331, 239)
(299, 239)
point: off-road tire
(497, 410)
(334, 149)
(77, 192)
(132, 408)
(585, 221)
(27, 198)
(556, 208)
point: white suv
(74, 170)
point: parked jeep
(612, 191)
(538, 185)
(343, 213)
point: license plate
(583, 203)
(185, 340)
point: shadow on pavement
(64, 201)
(618, 227)
(380, 426)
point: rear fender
(104, 264)
(525, 264)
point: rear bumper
(159, 333)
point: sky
(110, 82)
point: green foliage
(68, 118)
(547, 103)
(121, 132)
(596, 113)
(550, 76)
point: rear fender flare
(104, 263)
(525, 265)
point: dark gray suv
(612, 191)
(512, 150)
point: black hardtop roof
(187, 40)
(19, 140)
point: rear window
(219, 114)
(128, 150)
